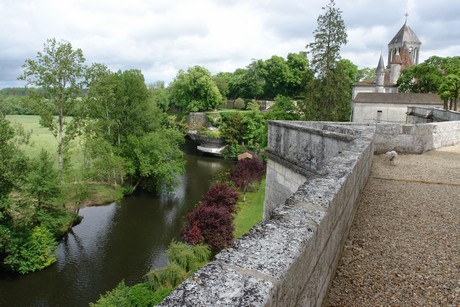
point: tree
(222, 81)
(449, 91)
(154, 159)
(277, 76)
(253, 81)
(421, 78)
(59, 72)
(159, 95)
(35, 252)
(367, 74)
(194, 90)
(284, 109)
(246, 172)
(13, 163)
(137, 143)
(330, 35)
(329, 94)
(301, 73)
(43, 180)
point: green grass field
(42, 137)
(251, 212)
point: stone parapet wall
(290, 258)
(419, 115)
(416, 138)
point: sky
(160, 37)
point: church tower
(403, 52)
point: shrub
(221, 195)
(210, 225)
(32, 253)
(246, 172)
(189, 257)
(239, 103)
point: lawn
(251, 212)
(41, 137)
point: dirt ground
(404, 245)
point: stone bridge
(315, 173)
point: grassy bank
(41, 137)
(251, 212)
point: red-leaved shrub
(221, 195)
(210, 225)
(246, 172)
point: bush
(139, 295)
(246, 172)
(209, 225)
(221, 195)
(33, 252)
(239, 103)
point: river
(120, 241)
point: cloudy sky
(162, 36)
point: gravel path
(404, 245)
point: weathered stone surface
(290, 258)
(418, 138)
(219, 285)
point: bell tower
(403, 51)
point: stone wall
(419, 115)
(290, 258)
(297, 150)
(416, 138)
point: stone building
(368, 103)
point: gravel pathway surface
(404, 245)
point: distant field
(42, 138)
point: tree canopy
(435, 75)
(195, 90)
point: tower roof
(405, 34)
(380, 66)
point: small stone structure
(416, 138)
(421, 115)
(290, 258)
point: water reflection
(113, 243)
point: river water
(115, 242)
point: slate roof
(398, 98)
(405, 34)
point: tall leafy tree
(328, 95)
(127, 124)
(301, 73)
(253, 81)
(59, 71)
(195, 90)
(159, 95)
(449, 91)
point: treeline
(126, 141)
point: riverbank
(403, 245)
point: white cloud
(160, 37)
